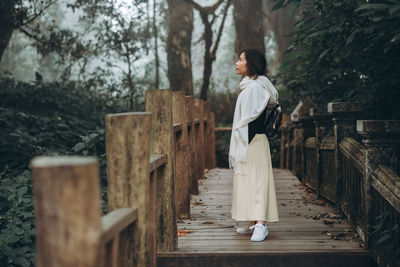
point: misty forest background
(64, 64)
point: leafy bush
(42, 119)
(346, 51)
(16, 222)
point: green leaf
(373, 7)
(11, 238)
(383, 239)
(352, 35)
(22, 190)
(78, 147)
(278, 5)
(394, 9)
(21, 250)
(323, 54)
(22, 262)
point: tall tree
(281, 22)
(210, 51)
(15, 14)
(178, 46)
(6, 24)
(248, 16)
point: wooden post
(307, 130)
(67, 211)
(344, 116)
(323, 128)
(297, 141)
(112, 257)
(206, 133)
(198, 104)
(211, 144)
(181, 157)
(128, 151)
(288, 148)
(382, 146)
(283, 142)
(159, 102)
(153, 218)
(192, 155)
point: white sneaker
(260, 232)
(243, 230)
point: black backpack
(273, 120)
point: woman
(253, 197)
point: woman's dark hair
(256, 62)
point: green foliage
(122, 36)
(16, 220)
(223, 106)
(346, 51)
(46, 118)
(102, 52)
(94, 144)
(384, 235)
(222, 140)
(38, 119)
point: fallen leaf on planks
(327, 221)
(184, 232)
(208, 222)
(333, 215)
(196, 203)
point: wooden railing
(352, 163)
(154, 160)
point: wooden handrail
(341, 158)
(154, 161)
(327, 143)
(157, 160)
(222, 129)
(116, 221)
(353, 150)
(387, 183)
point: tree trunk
(178, 46)
(157, 61)
(248, 16)
(208, 60)
(210, 52)
(6, 24)
(281, 23)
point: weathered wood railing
(154, 160)
(353, 163)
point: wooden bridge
(170, 206)
(309, 233)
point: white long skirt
(253, 195)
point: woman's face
(241, 65)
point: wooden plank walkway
(309, 232)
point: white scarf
(251, 102)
